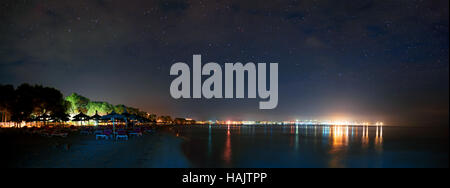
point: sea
(314, 146)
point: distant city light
(294, 122)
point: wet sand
(156, 150)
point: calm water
(314, 146)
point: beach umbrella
(44, 118)
(125, 113)
(126, 116)
(60, 117)
(81, 117)
(96, 117)
(33, 120)
(113, 116)
(135, 117)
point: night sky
(359, 60)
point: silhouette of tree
(27, 101)
(6, 99)
(23, 103)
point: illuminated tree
(78, 103)
(120, 108)
(102, 108)
(132, 110)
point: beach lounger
(101, 136)
(98, 132)
(35, 131)
(108, 133)
(136, 132)
(45, 133)
(60, 134)
(148, 131)
(29, 131)
(121, 134)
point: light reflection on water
(296, 146)
(209, 141)
(227, 148)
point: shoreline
(156, 150)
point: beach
(155, 150)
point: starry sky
(356, 60)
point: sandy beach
(154, 150)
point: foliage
(120, 108)
(27, 101)
(165, 119)
(78, 103)
(102, 108)
(152, 117)
(6, 97)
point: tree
(152, 117)
(61, 117)
(27, 101)
(78, 103)
(120, 108)
(23, 104)
(132, 110)
(165, 119)
(179, 121)
(102, 108)
(6, 99)
(48, 100)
